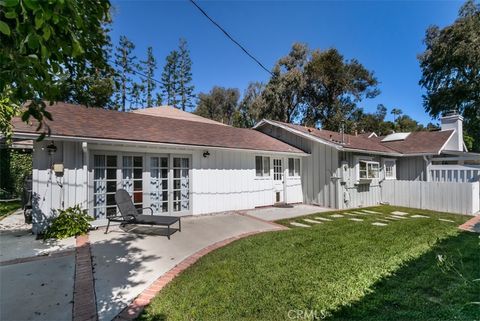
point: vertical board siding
(411, 169)
(460, 198)
(317, 169)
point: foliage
(126, 65)
(185, 87)
(149, 66)
(7, 208)
(342, 269)
(451, 69)
(14, 166)
(219, 104)
(176, 79)
(284, 93)
(43, 44)
(334, 87)
(250, 108)
(72, 221)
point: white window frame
(265, 160)
(297, 167)
(368, 163)
(394, 168)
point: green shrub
(72, 221)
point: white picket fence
(454, 173)
(454, 197)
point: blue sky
(385, 36)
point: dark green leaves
(4, 28)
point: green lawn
(411, 269)
(9, 207)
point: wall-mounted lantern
(51, 148)
(206, 154)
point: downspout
(85, 172)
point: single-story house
(182, 164)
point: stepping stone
(379, 219)
(323, 219)
(392, 218)
(336, 215)
(299, 224)
(379, 224)
(420, 216)
(351, 214)
(445, 220)
(356, 219)
(312, 221)
(399, 217)
(361, 213)
(370, 212)
(399, 213)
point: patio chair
(131, 215)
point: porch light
(206, 154)
(51, 148)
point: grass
(338, 270)
(7, 208)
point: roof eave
(26, 135)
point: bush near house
(14, 166)
(72, 221)
(7, 208)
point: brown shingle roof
(82, 122)
(172, 112)
(415, 143)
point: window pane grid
(105, 185)
(132, 180)
(181, 184)
(159, 184)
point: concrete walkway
(125, 263)
(280, 213)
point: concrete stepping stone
(311, 221)
(392, 218)
(356, 219)
(445, 220)
(399, 217)
(299, 224)
(323, 219)
(398, 213)
(379, 224)
(351, 214)
(420, 216)
(336, 215)
(361, 213)
(370, 212)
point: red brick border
(133, 310)
(84, 301)
(468, 225)
(38, 257)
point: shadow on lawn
(439, 285)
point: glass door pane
(181, 184)
(277, 169)
(159, 184)
(104, 185)
(132, 180)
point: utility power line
(230, 37)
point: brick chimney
(452, 120)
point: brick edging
(133, 310)
(84, 301)
(38, 257)
(468, 225)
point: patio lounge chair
(131, 215)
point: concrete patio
(126, 263)
(290, 211)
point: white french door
(278, 179)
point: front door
(278, 179)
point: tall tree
(42, 44)
(137, 96)
(283, 94)
(149, 66)
(126, 66)
(185, 88)
(170, 78)
(251, 106)
(334, 87)
(451, 69)
(219, 104)
(396, 112)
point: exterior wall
(225, 180)
(411, 169)
(53, 191)
(318, 170)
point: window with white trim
(368, 169)
(132, 178)
(262, 166)
(104, 185)
(294, 167)
(390, 168)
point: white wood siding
(223, 181)
(411, 169)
